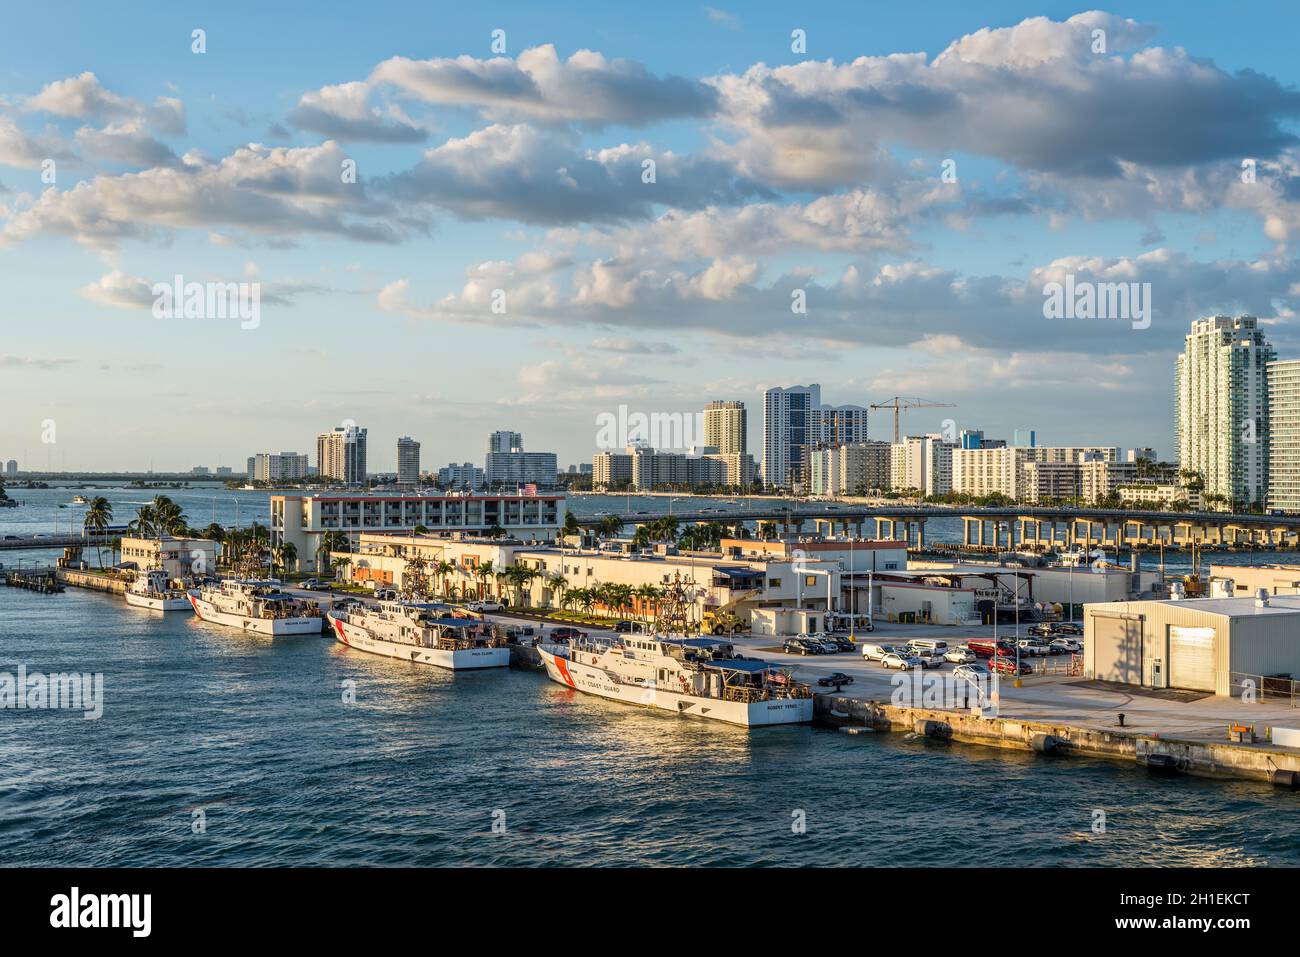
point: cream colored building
(773, 576)
(179, 557)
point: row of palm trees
(618, 598)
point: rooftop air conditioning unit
(1261, 598)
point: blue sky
(522, 172)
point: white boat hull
(580, 676)
(158, 602)
(271, 627)
(463, 659)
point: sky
(462, 218)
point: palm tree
(557, 583)
(648, 594)
(420, 530)
(332, 541)
(285, 555)
(169, 519)
(483, 573)
(441, 570)
(98, 515)
(609, 526)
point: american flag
(777, 677)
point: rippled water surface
(256, 735)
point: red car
(1008, 666)
(983, 647)
(566, 634)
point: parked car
(973, 672)
(1067, 646)
(565, 633)
(903, 662)
(959, 655)
(315, 584)
(486, 605)
(843, 642)
(874, 652)
(1044, 629)
(1068, 628)
(829, 645)
(835, 679)
(1032, 647)
(1009, 666)
(801, 646)
(386, 594)
(928, 658)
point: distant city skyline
(441, 239)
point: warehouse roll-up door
(1191, 658)
(1117, 649)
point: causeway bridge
(1016, 527)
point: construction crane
(898, 403)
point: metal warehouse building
(1200, 644)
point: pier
(1011, 528)
(41, 580)
(1198, 754)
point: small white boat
(152, 589)
(80, 500)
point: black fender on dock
(1162, 763)
(1044, 743)
(1285, 779)
(932, 729)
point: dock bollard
(1121, 719)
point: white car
(902, 662)
(959, 656)
(976, 672)
(1071, 645)
(481, 606)
(1032, 647)
(876, 652)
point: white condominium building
(922, 462)
(277, 467)
(1221, 407)
(1284, 436)
(1002, 471)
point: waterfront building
(726, 427)
(1284, 436)
(750, 579)
(275, 467)
(178, 557)
(1214, 644)
(1002, 471)
(611, 469)
(1159, 495)
(518, 467)
(1024, 438)
(199, 471)
(787, 418)
(304, 519)
(505, 441)
(849, 469)
(11, 468)
(466, 476)
(408, 461)
(1133, 455)
(341, 455)
(922, 462)
(1221, 407)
